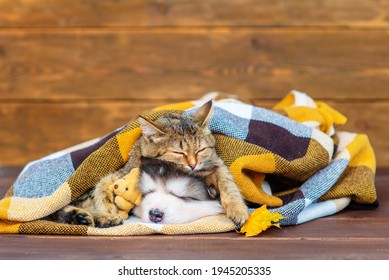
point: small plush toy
(127, 195)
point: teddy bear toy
(127, 195)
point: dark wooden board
(32, 130)
(194, 13)
(351, 234)
(161, 64)
(221, 246)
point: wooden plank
(8, 176)
(194, 13)
(32, 130)
(222, 246)
(186, 63)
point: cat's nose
(192, 162)
(192, 166)
(155, 215)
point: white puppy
(171, 196)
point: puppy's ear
(204, 113)
(150, 130)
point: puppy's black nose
(155, 215)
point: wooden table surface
(351, 234)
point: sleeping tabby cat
(185, 141)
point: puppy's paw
(238, 213)
(108, 221)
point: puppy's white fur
(172, 197)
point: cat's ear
(150, 129)
(204, 113)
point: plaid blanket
(290, 158)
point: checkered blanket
(290, 158)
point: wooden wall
(74, 70)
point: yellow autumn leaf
(260, 220)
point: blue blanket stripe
(312, 189)
(44, 177)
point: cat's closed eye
(201, 150)
(179, 153)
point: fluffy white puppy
(171, 196)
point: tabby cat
(184, 140)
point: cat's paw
(238, 213)
(81, 217)
(108, 221)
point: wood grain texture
(222, 246)
(32, 130)
(186, 63)
(194, 13)
(350, 234)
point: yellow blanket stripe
(244, 171)
(323, 114)
(126, 140)
(4, 206)
(361, 153)
(9, 227)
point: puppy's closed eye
(185, 198)
(188, 198)
(147, 193)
